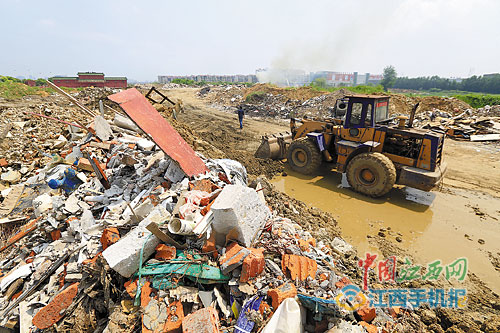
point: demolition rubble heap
(114, 234)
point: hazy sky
(144, 39)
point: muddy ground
(461, 218)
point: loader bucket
(274, 146)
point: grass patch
(255, 96)
(361, 89)
(479, 100)
(14, 89)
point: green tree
(389, 77)
(319, 82)
(40, 82)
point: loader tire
(372, 174)
(304, 156)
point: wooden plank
(153, 228)
(11, 201)
(485, 137)
(72, 99)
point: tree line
(484, 84)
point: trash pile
(473, 125)
(133, 232)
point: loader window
(368, 119)
(381, 111)
(356, 111)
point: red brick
(146, 294)
(369, 328)
(145, 299)
(304, 246)
(175, 315)
(253, 265)
(54, 311)
(91, 261)
(281, 293)
(3, 162)
(395, 311)
(62, 277)
(55, 235)
(16, 295)
(323, 277)
(264, 308)
(165, 252)
(109, 236)
(312, 241)
(203, 185)
(209, 246)
(206, 209)
(24, 230)
(366, 313)
(131, 287)
(298, 267)
(342, 283)
(234, 256)
(205, 320)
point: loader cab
(364, 111)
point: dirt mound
(402, 104)
(301, 93)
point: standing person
(241, 113)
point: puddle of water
(431, 224)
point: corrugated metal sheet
(159, 129)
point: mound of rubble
(264, 100)
(116, 236)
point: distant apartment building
(210, 78)
(90, 79)
(298, 78)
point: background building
(90, 79)
(210, 78)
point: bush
(255, 96)
(479, 101)
(355, 89)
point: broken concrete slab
(239, 209)
(125, 122)
(102, 129)
(20, 272)
(11, 176)
(123, 256)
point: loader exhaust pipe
(412, 115)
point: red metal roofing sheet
(159, 129)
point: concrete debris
(239, 210)
(474, 125)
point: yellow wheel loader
(359, 140)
